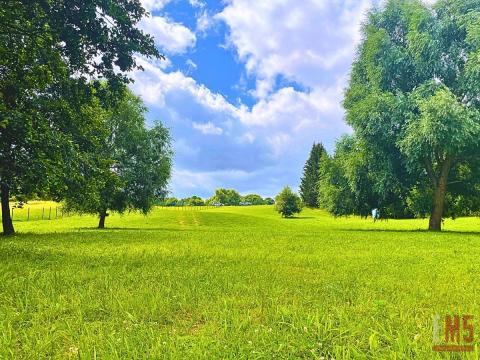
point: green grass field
(235, 283)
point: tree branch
(430, 172)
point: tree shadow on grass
(117, 228)
(420, 231)
(89, 230)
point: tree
(171, 201)
(225, 197)
(288, 203)
(253, 199)
(269, 201)
(355, 180)
(49, 51)
(443, 134)
(413, 100)
(310, 178)
(335, 192)
(138, 164)
(194, 201)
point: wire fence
(38, 213)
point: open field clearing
(233, 283)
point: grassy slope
(232, 283)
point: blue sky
(248, 86)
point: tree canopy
(413, 103)
(225, 197)
(137, 164)
(253, 199)
(51, 55)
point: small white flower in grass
(73, 350)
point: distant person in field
(375, 214)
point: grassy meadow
(233, 283)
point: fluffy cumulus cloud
(151, 5)
(297, 55)
(296, 39)
(169, 36)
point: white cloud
(296, 39)
(153, 84)
(191, 64)
(204, 22)
(304, 116)
(197, 3)
(287, 105)
(208, 128)
(311, 42)
(151, 5)
(169, 36)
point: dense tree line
(225, 197)
(63, 68)
(413, 103)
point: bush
(288, 203)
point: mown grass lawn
(233, 283)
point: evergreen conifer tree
(311, 176)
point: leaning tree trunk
(7, 222)
(102, 217)
(436, 216)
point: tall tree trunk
(436, 216)
(101, 222)
(7, 222)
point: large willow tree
(414, 101)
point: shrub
(288, 203)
